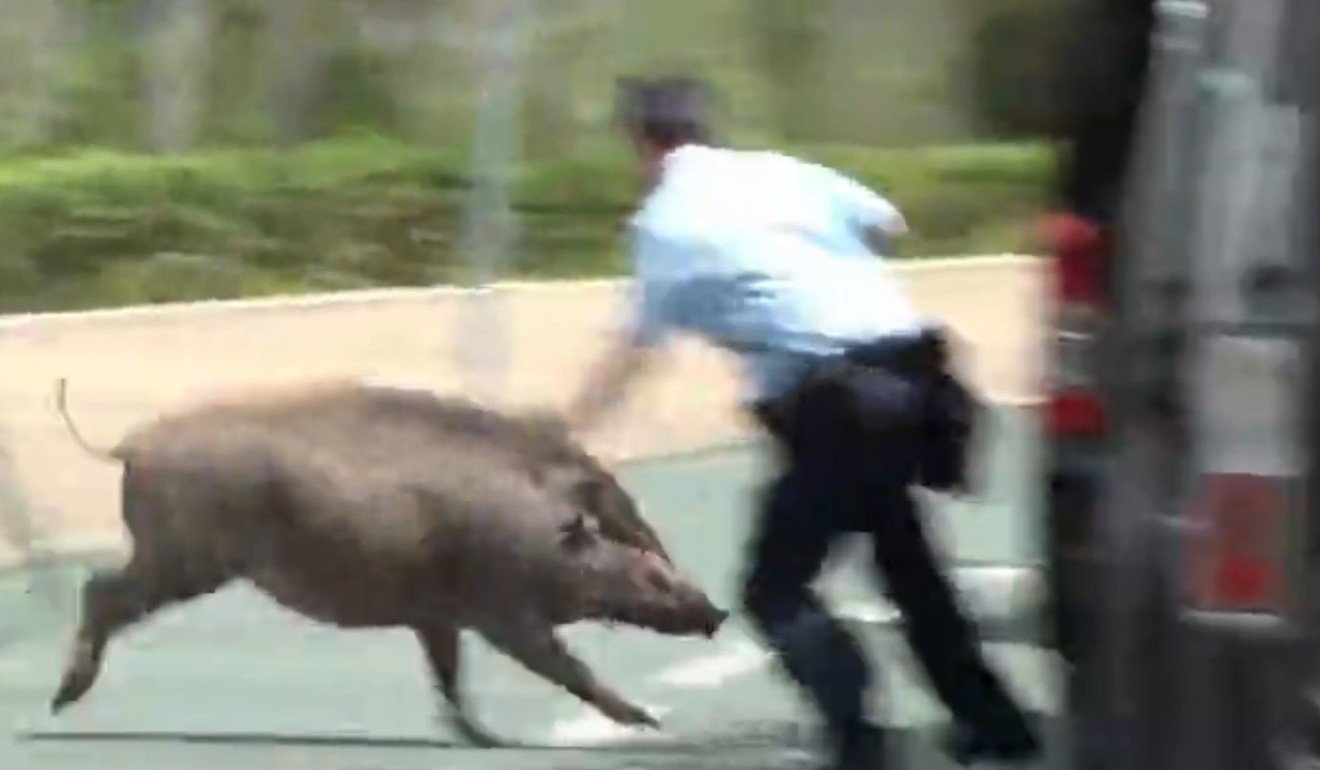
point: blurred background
(155, 150)
(158, 152)
(1151, 354)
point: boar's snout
(656, 597)
(715, 618)
(689, 614)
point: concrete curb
(422, 294)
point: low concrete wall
(126, 365)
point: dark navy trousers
(839, 479)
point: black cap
(668, 110)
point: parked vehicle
(1182, 407)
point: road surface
(232, 681)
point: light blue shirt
(763, 255)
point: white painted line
(869, 612)
(988, 592)
(591, 728)
(706, 672)
(989, 588)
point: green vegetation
(279, 192)
(162, 75)
(1014, 57)
(99, 228)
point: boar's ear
(547, 425)
(557, 477)
(575, 484)
(589, 493)
(578, 533)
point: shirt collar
(671, 164)
(680, 155)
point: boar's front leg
(541, 652)
(443, 648)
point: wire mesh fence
(145, 74)
(159, 151)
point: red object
(1077, 252)
(1077, 247)
(1236, 553)
(1074, 413)
(1242, 582)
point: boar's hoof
(78, 679)
(476, 735)
(626, 713)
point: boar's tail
(61, 401)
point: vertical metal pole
(177, 38)
(1299, 61)
(483, 342)
(34, 35)
(1120, 714)
(296, 44)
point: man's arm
(608, 382)
(634, 348)
(876, 220)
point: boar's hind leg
(443, 651)
(112, 600)
(541, 652)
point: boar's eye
(577, 534)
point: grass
(95, 228)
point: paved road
(233, 680)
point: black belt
(940, 421)
(920, 356)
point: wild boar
(341, 504)
(536, 441)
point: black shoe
(862, 748)
(967, 746)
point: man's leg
(796, 528)
(937, 631)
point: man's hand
(880, 237)
(606, 384)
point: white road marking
(708, 671)
(1032, 682)
(868, 612)
(591, 728)
(704, 672)
(987, 592)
